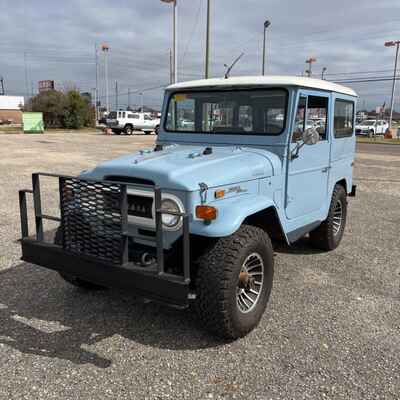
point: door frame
(301, 92)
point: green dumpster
(33, 122)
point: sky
(47, 39)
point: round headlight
(169, 220)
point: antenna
(228, 71)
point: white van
(130, 121)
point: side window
(123, 115)
(343, 120)
(147, 118)
(317, 115)
(300, 121)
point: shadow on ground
(42, 315)
(302, 246)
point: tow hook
(147, 259)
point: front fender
(231, 214)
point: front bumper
(147, 283)
(103, 259)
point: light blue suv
(239, 163)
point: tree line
(68, 109)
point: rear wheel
(330, 233)
(72, 279)
(128, 129)
(234, 281)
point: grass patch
(379, 140)
(10, 129)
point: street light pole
(105, 48)
(174, 37)
(393, 44)
(266, 25)
(207, 65)
(310, 61)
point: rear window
(344, 119)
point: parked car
(372, 127)
(127, 122)
(193, 219)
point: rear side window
(344, 117)
(133, 116)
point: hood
(183, 167)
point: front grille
(140, 206)
(91, 219)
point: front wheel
(330, 233)
(234, 282)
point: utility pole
(96, 90)
(26, 74)
(207, 66)
(116, 96)
(174, 36)
(2, 93)
(266, 25)
(142, 101)
(171, 67)
(310, 61)
(395, 43)
(129, 98)
(105, 48)
(323, 73)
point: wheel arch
(268, 220)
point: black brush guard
(95, 238)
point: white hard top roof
(269, 80)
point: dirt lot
(332, 329)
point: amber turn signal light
(207, 213)
(219, 194)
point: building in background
(45, 86)
(11, 110)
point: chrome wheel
(250, 283)
(337, 217)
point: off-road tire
(72, 279)
(217, 281)
(324, 236)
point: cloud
(59, 38)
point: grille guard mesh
(91, 219)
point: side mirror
(310, 136)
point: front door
(307, 183)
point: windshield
(112, 115)
(368, 123)
(242, 112)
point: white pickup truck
(129, 121)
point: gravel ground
(332, 328)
